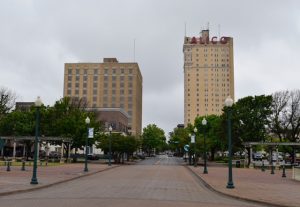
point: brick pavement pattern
(17, 180)
(156, 182)
(253, 184)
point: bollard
(283, 170)
(23, 166)
(263, 166)
(272, 169)
(8, 166)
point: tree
(285, 117)
(120, 145)
(249, 120)
(7, 101)
(178, 138)
(214, 139)
(153, 138)
(284, 122)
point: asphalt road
(159, 181)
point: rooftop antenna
(219, 30)
(207, 25)
(185, 29)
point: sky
(38, 36)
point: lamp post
(204, 123)
(272, 166)
(87, 121)
(109, 156)
(189, 153)
(195, 160)
(38, 103)
(228, 104)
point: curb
(55, 183)
(232, 196)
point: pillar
(69, 151)
(14, 150)
(251, 160)
(62, 153)
(24, 150)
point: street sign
(91, 133)
(193, 139)
(186, 147)
(2, 142)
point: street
(156, 181)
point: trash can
(238, 163)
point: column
(251, 160)
(62, 153)
(14, 151)
(24, 150)
(69, 151)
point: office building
(108, 85)
(208, 75)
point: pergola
(272, 144)
(42, 139)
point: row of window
(95, 92)
(105, 85)
(97, 71)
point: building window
(69, 78)
(114, 78)
(69, 92)
(69, 71)
(121, 78)
(106, 78)
(95, 71)
(77, 78)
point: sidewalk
(18, 181)
(253, 184)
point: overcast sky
(38, 36)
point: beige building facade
(108, 85)
(208, 75)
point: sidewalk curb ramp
(232, 196)
(55, 183)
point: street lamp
(190, 156)
(38, 103)
(228, 104)
(109, 156)
(87, 121)
(204, 123)
(195, 160)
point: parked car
(257, 156)
(93, 157)
(54, 155)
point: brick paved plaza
(159, 181)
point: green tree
(179, 137)
(214, 139)
(153, 138)
(120, 145)
(249, 120)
